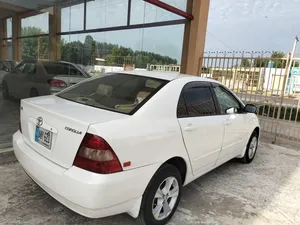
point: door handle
(190, 128)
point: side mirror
(6, 70)
(250, 108)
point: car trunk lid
(54, 127)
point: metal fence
(272, 84)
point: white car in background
(127, 142)
(32, 78)
(6, 65)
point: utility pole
(291, 61)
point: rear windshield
(122, 93)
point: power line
(220, 41)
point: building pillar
(194, 37)
(3, 45)
(54, 28)
(16, 42)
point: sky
(253, 25)
(233, 25)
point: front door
(236, 135)
(202, 127)
(25, 80)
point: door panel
(203, 139)
(235, 136)
(26, 80)
(202, 129)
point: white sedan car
(127, 142)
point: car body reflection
(32, 78)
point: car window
(199, 101)
(61, 69)
(11, 64)
(20, 67)
(29, 68)
(181, 108)
(123, 93)
(228, 103)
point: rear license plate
(43, 137)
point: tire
(5, 91)
(251, 149)
(33, 93)
(156, 197)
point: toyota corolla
(128, 142)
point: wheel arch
(178, 162)
(257, 130)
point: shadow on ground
(264, 192)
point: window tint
(61, 69)
(115, 92)
(20, 66)
(181, 107)
(228, 104)
(199, 101)
(29, 68)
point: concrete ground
(264, 192)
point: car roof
(164, 75)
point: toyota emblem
(39, 121)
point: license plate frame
(43, 137)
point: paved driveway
(264, 192)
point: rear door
(201, 125)
(236, 134)
(26, 80)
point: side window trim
(198, 84)
(181, 97)
(229, 93)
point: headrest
(104, 90)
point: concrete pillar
(194, 37)
(16, 32)
(3, 43)
(55, 27)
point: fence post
(286, 74)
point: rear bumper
(89, 194)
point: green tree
(245, 63)
(35, 47)
(85, 53)
(275, 60)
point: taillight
(96, 155)
(57, 83)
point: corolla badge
(39, 121)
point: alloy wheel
(252, 147)
(165, 198)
